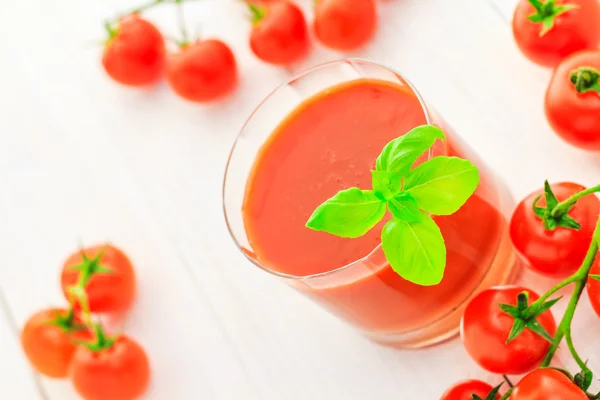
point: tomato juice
(329, 143)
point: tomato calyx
(546, 13)
(102, 341)
(583, 379)
(87, 269)
(491, 395)
(112, 31)
(525, 316)
(552, 216)
(67, 322)
(586, 79)
(257, 12)
(90, 267)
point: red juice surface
(330, 143)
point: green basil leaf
(386, 184)
(443, 184)
(400, 154)
(350, 213)
(405, 207)
(415, 250)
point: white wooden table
(82, 159)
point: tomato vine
(551, 219)
(79, 300)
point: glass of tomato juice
(320, 133)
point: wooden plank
(93, 161)
(69, 183)
(506, 8)
(16, 379)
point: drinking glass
(366, 292)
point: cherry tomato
(485, 329)
(575, 116)
(202, 71)
(48, 341)
(135, 52)
(574, 30)
(464, 390)
(560, 252)
(345, 24)
(118, 372)
(108, 292)
(593, 285)
(279, 33)
(547, 384)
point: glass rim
(297, 76)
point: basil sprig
(411, 240)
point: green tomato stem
(507, 394)
(546, 13)
(258, 13)
(535, 305)
(541, 6)
(580, 279)
(77, 294)
(576, 357)
(586, 79)
(563, 206)
(144, 7)
(70, 317)
(102, 341)
(181, 22)
(138, 9)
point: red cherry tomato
(485, 329)
(593, 285)
(345, 24)
(574, 30)
(135, 53)
(108, 292)
(560, 252)
(48, 341)
(202, 71)
(279, 33)
(575, 116)
(547, 384)
(119, 372)
(464, 390)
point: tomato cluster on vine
(565, 35)
(68, 343)
(510, 330)
(204, 70)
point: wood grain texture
(86, 160)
